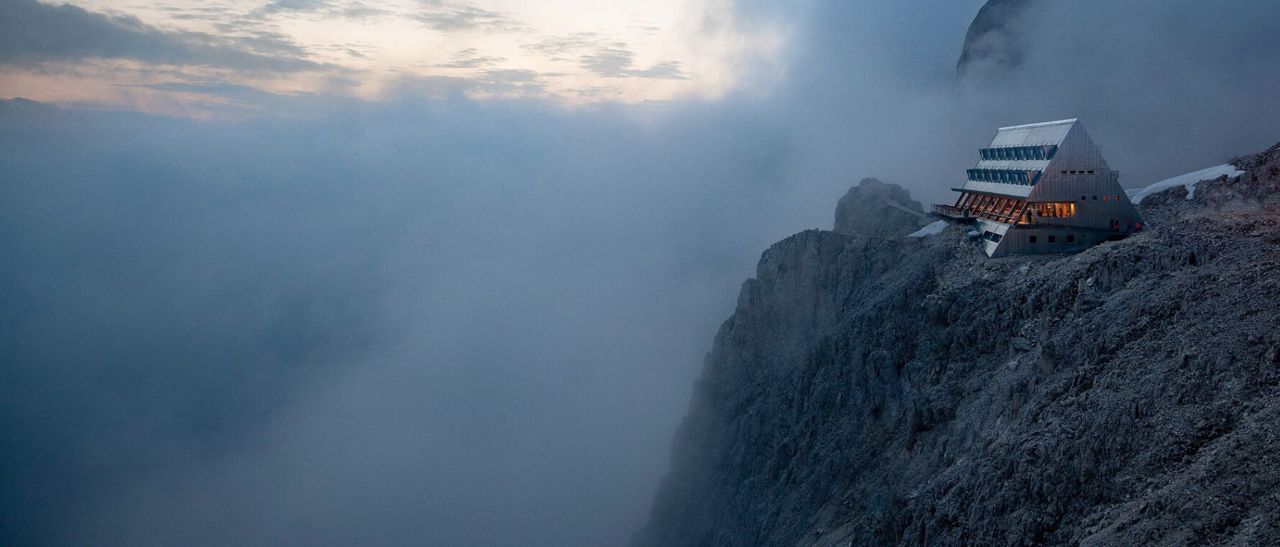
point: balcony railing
(951, 211)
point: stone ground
(901, 391)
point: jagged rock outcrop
(996, 39)
(902, 391)
(875, 208)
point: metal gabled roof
(1036, 134)
(998, 189)
(1014, 165)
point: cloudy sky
(442, 273)
(179, 57)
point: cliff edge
(911, 391)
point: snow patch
(931, 230)
(1188, 180)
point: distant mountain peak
(995, 39)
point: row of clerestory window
(1019, 153)
(1024, 178)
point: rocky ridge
(904, 391)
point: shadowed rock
(903, 391)
(875, 208)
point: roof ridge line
(1041, 124)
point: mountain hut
(1043, 188)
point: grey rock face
(898, 391)
(995, 40)
(875, 208)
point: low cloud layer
(443, 323)
(476, 323)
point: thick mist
(476, 323)
(445, 323)
(1164, 88)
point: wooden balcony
(999, 209)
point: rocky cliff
(910, 391)
(995, 39)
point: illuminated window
(1056, 210)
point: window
(1084, 198)
(1071, 239)
(1018, 153)
(1105, 198)
(1055, 210)
(1090, 172)
(1053, 239)
(1095, 198)
(1033, 239)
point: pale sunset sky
(196, 58)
